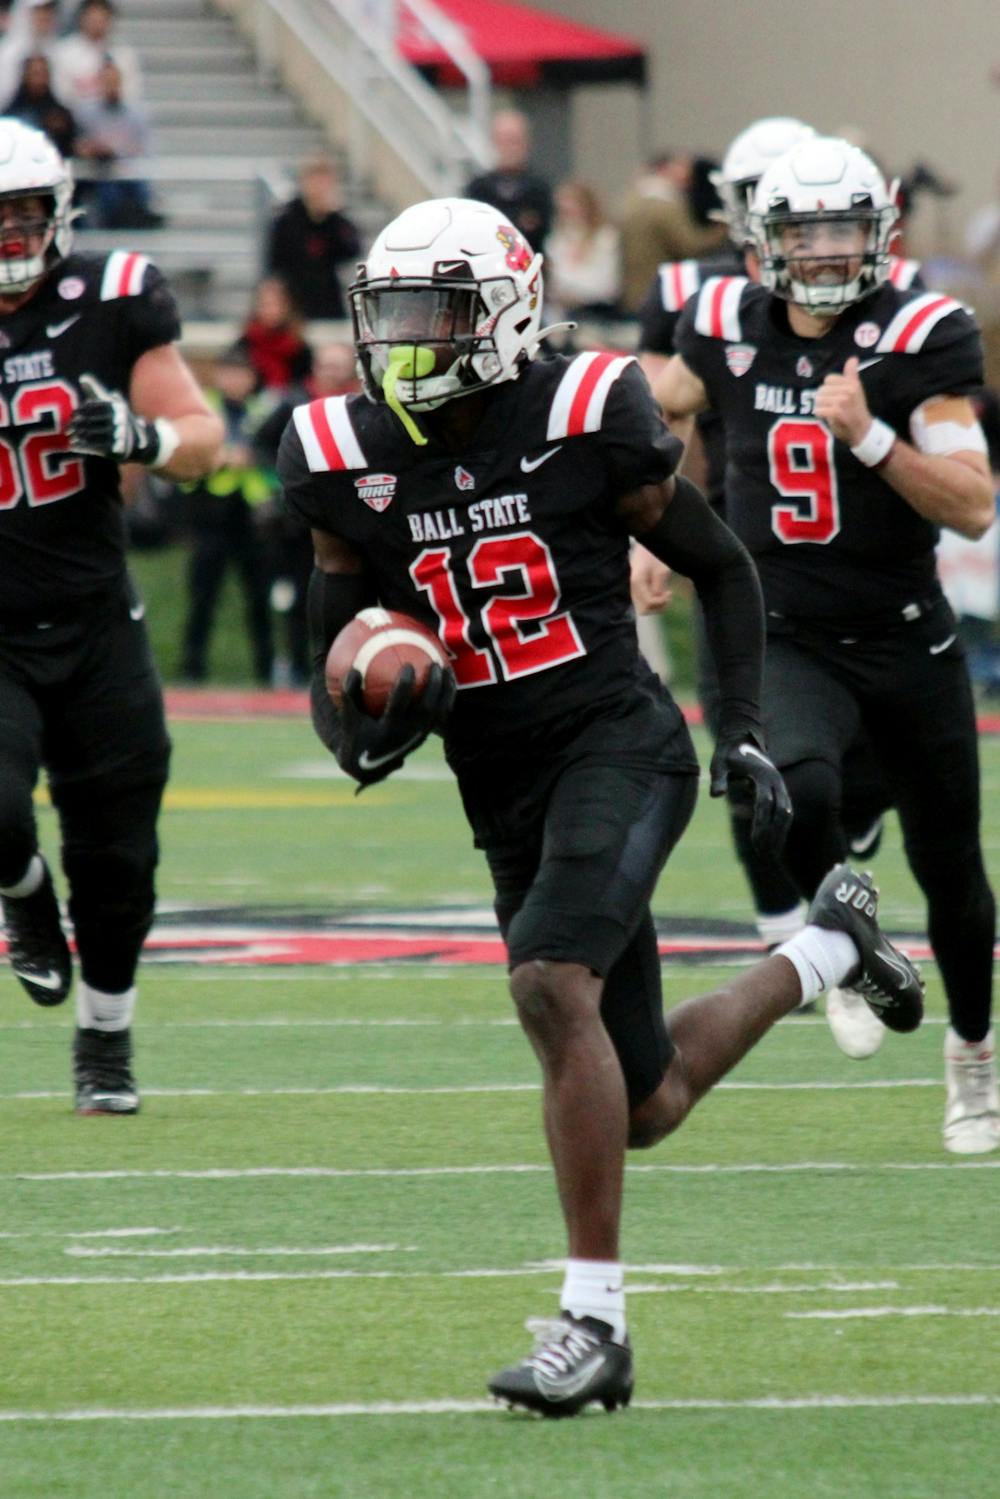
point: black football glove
(372, 748)
(738, 758)
(105, 425)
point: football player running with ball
(91, 379)
(851, 439)
(492, 495)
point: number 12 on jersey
(519, 558)
(801, 468)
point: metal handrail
(440, 146)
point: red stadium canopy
(524, 46)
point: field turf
(293, 1272)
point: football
(378, 643)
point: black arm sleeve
(332, 602)
(692, 540)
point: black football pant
(865, 795)
(81, 699)
(909, 689)
(575, 853)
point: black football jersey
(675, 283)
(510, 549)
(62, 534)
(831, 539)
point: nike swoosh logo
(528, 465)
(867, 363)
(50, 980)
(54, 329)
(751, 749)
(137, 611)
(450, 267)
(936, 650)
(565, 1389)
(368, 762)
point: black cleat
(574, 1362)
(848, 902)
(36, 947)
(102, 1073)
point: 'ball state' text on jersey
(831, 539)
(511, 549)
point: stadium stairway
(223, 139)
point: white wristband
(169, 440)
(876, 445)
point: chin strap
(406, 364)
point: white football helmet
(448, 301)
(806, 209)
(747, 158)
(30, 166)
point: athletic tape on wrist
(169, 441)
(876, 445)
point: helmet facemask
(824, 261)
(422, 342)
(30, 239)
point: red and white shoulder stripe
(679, 280)
(124, 271)
(718, 311)
(902, 272)
(329, 440)
(580, 397)
(909, 329)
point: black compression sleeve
(692, 540)
(332, 602)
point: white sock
(29, 881)
(103, 1012)
(821, 959)
(779, 928)
(596, 1288)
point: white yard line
(875, 1084)
(478, 1407)
(236, 1251)
(848, 1314)
(233, 1173)
(334, 1023)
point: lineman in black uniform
(850, 439)
(492, 496)
(90, 379)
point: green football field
(293, 1272)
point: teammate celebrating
(91, 379)
(507, 490)
(850, 440)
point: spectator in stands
(32, 33)
(582, 257)
(273, 338)
(36, 104)
(80, 57)
(222, 520)
(512, 187)
(311, 238)
(113, 131)
(658, 224)
(334, 373)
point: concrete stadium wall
(914, 75)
